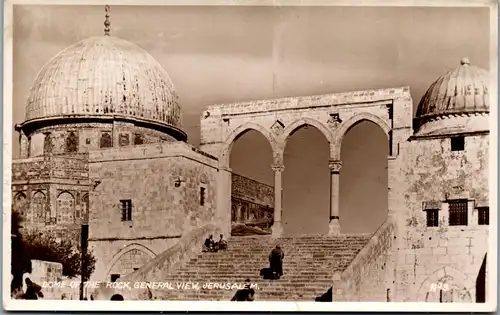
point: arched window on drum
(65, 208)
(105, 141)
(38, 206)
(72, 142)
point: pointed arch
(306, 121)
(346, 125)
(454, 279)
(127, 249)
(238, 132)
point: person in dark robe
(276, 262)
(209, 245)
(222, 244)
(33, 290)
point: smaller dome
(459, 91)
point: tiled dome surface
(461, 90)
(104, 76)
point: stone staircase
(309, 264)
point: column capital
(335, 166)
(278, 167)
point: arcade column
(334, 225)
(277, 228)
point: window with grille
(458, 212)
(432, 217)
(202, 196)
(483, 216)
(457, 143)
(126, 210)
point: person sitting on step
(245, 294)
(222, 244)
(276, 262)
(209, 245)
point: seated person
(245, 294)
(222, 244)
(209, 245)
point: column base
(277, 229)
(334, 227)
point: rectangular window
(457, 143)
(458, 212)
(114, 277)
(432, 217)
(126, 210)
(202, 196)
(483, 215)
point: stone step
(310, 261)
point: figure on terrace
(222, 244)
(209, 245)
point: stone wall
(367, 277)
(427, 175)
(252, 206)
(247, 189)
(172, 190)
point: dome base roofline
(34, 124)
(448, 135)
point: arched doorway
(128, 260)
(252, 181)
(306, 182)
(363, 178)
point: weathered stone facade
(171, 189)
(431, 177)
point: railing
(365, 277)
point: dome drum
(33, 125)
(72, 138)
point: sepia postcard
(300, 155)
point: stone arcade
(102, 144)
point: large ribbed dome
(461, 90)
(103, 76)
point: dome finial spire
(107, 23)
(465, 61)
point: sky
(222, 54)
